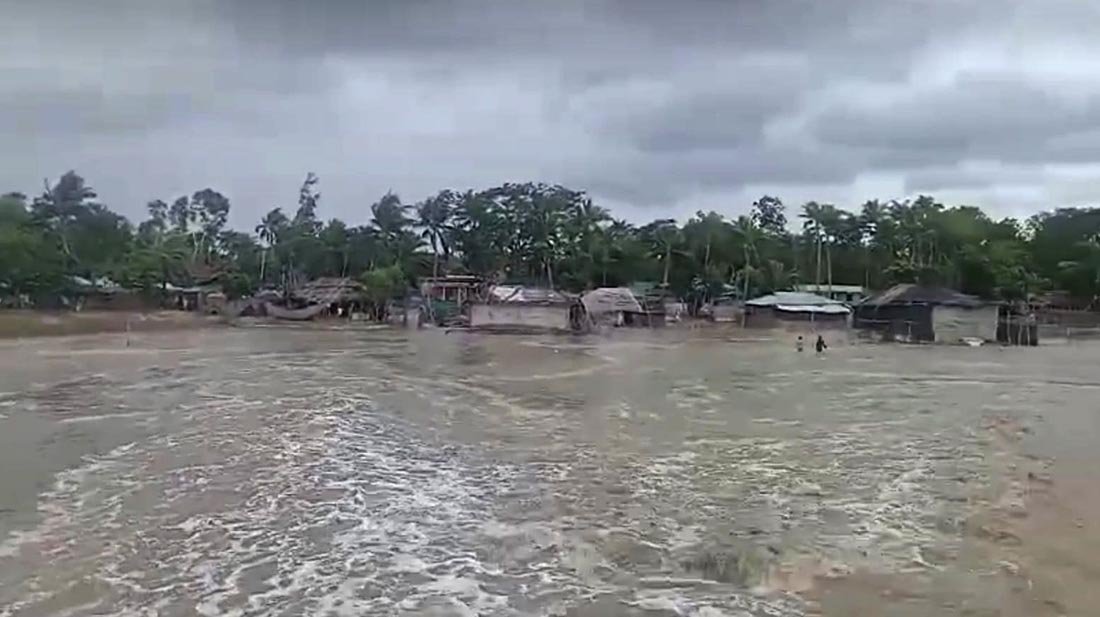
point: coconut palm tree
(434, 217)
(269, 229)
(664, 238)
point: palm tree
(585, 235)
(665, 237)
(823, 222)
(61, 205)
(750, 236)
(390, 224)
(813, 225)
(269, 229)
(434, 216)
(872, 220)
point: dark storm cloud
(981, 116)
(728, 106)
(639, 101)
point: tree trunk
(263, 266)
(866, 267)
(745, 293)
(668, 264)
(817, 278)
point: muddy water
(282, 472)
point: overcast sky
(657, 108)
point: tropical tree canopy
(546, 235)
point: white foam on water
(101, 417)
(311, 499)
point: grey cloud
(661, 178)
(638, 101)
(729, 106)
(949, 178)
(998, 116)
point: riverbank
(22, 324)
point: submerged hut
(331, 290)
(786, 307)
(520, 308)
(101, 294)
(446, 296)
(929, 314)
(327, 295)
(618, 306)
(655, 300)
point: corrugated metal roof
(824, 309)
(793, 298)
(519, 294)
(825, 287)
(908, 293)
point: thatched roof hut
(329, 290)
(611, 300)
(621, 306)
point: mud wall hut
(928, 314)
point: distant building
(848, 294)
(101, 294)
(457, 288)
(930, 314)
(335, 296)
(446, 296)
(796, 306)
(519, 308)
(618, 306)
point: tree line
(545, 235)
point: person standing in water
(798, 344)
(820, 345)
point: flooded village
(514, 404)
(596, 308)
(467, 448)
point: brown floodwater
(271, 471)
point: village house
(618, 306)
(520, 308)
(795, 307)
(336, 296)
(848, 294)
(915, 313)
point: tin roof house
(918, 313)
(525, 309)
(784, 307)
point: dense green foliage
(542, 234)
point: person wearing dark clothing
(820, 345)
